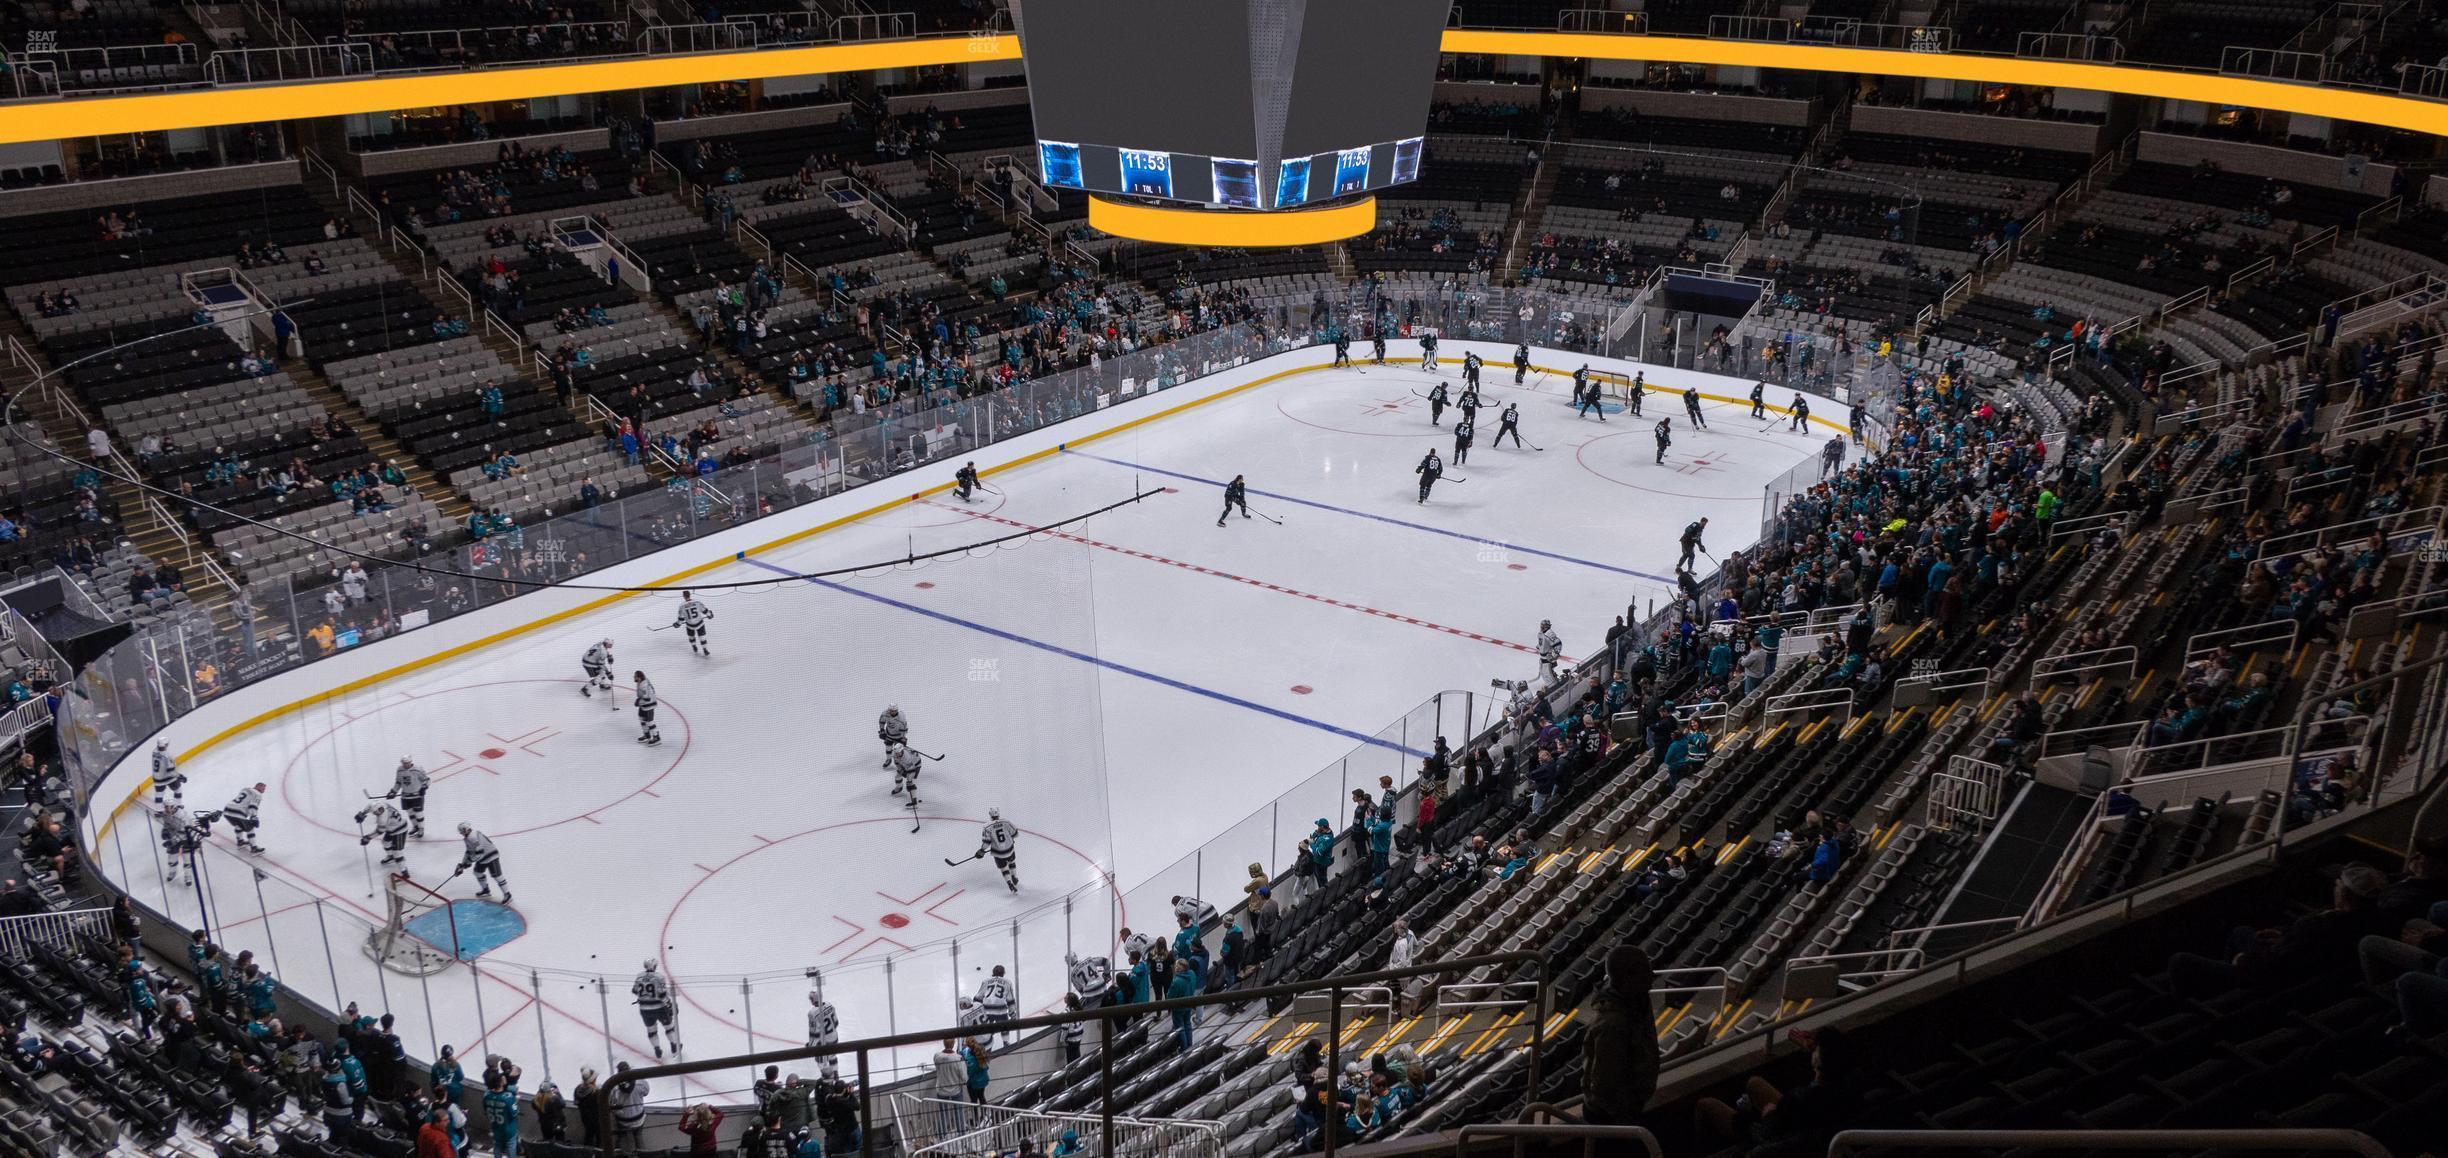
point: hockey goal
(420, 934)
(1614, 387)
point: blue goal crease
(1107, 664)
(1387, 519)
(467, 928)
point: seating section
(2194, 33)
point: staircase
(1526, 210)
(143, 524)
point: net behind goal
(420, 933)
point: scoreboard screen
(1220, 101)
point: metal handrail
(1105, 1020)
(2258, 1138)
(1589, 1133)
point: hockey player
(1860, 418)
(904, 765)
(653, 993)
(391, 827)
(1092, 979)
(1690, 540)
(1640, 389)
(1463, 431)
(995, 998)
(892, 728)
(480, 855)
(1521, 363)
(1585, 394)
(1469, 402)
(1801, 414)
(241, 814)
(824, 1024)
(1759, 400)
(1429, 471)
(1342, 343)
(1002, 838)
(1470, 369)
(409, 784)
(597, 663)
(181, 837)
(693, 616)
(1428, 343)
(1508, 422)
(1236, 494)
(1831, 456)
(647, 732)
(1665, 436)
(166, 777)
(1691, 407)
(1437, 400)
(1550, 651)
(1378, 343)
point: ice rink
(1126, 690)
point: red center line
(1259, 583)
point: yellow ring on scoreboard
(1241, 227)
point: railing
(2168, 1141)
(2096, 47)
(2421, 522)
(2274, 64)
(944, 1128)
(450, 286)
(729, 36)
(313, 161)
(875, 26)
(2251, 635)
(19, 935)
(1589, 1134)
(2423, 80)
(2125, 659)
(1104, 1021)
(1602, 20)
(305, 61)
(1837, 700)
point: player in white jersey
(1199, 912)
(181, 836)
(904, 763)
(597, 663)
(995, 998)
(653, 993)
(824, 1026)
(647, 732)
(893, 728)
(408, 783)
(693, 617)
(390, 826)
(1550, 650)
(481, 856)
(1002, 838)
(166, 776)
(241, 813)
(1091, 978)
(1136, 944)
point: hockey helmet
(161, 743)
(994, 814)
(650, 965)
(466, 828)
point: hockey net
(1615, 387)
(429, 948)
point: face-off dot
(492, 753)
(1302, 689)
(893, 921)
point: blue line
(1382, 519)
(1084, 657)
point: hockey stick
(927, 755)
(1270, 518)
(950, 863)
(391, 795)
(916, 821)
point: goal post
(407, 941)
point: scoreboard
(1242, 104)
